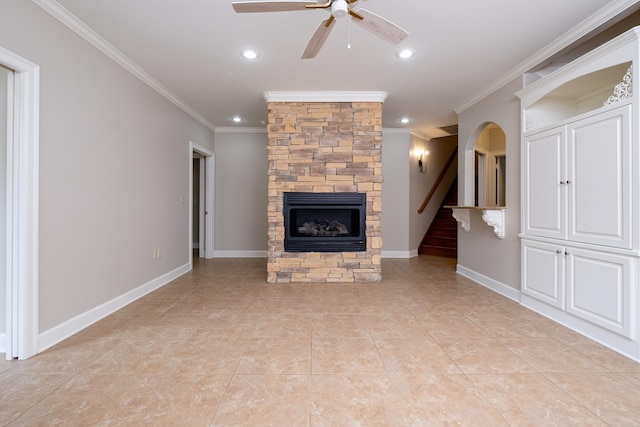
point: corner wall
(481, 255)
(114, 169)
(241, 192)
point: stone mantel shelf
(492, 215)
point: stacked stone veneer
(324, 147)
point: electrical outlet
(157, 254)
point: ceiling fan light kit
(339, 9)
(371, 22)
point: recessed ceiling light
(236, 119)
(406, 53)
(404, 120)
(249, 54)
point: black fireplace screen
(324, 222)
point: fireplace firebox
(324, 222)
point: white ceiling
(463, 48)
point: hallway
(221, 347)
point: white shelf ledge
(492, 215)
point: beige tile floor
(221, 347)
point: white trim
(202, 207)
(72, 326)
(325, 96)
(403, 131)
(209, 200)
(22, 213)
(240, 130)
(80, 28)
(487, 282)
(396, 131)
(590, 24)
(240, 254)
(3, 343)
(605, 337)
(399, 254)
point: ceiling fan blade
(321, 5)
(318, 38)
(379, 26)
(270, 6)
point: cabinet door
(600, 289)
(543, 272)
(599, 175)
(544, 189)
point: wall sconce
(422, 161)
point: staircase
(442, 237)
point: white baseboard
(263, 254)
(72, 326)
(240, 254)
(399, 254)
(494, 285)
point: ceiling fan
(371, 22)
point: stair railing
(438, 181)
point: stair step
(445, 213)
(443, 232)
(449, 223)
(445, 242)
(442, 237)
(438, 251)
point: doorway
(20, 279)
(6, 135)
(201, 195)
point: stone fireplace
(329, 144)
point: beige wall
(241, 192)
(479, 250)
(396, 145)
(114, 166)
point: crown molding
(76, 25)
(325, 96)
(398, 131)
(422, 136)
(405, 131)
(590, 24)
(241, 130)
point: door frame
(481, 168)
(206, 216)
(22, 209)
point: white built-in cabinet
(580, 220)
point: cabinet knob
(561, 182)
(566, 253)
(568, 182)
(558, 251)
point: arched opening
(490, 162)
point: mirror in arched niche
(490, 162)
